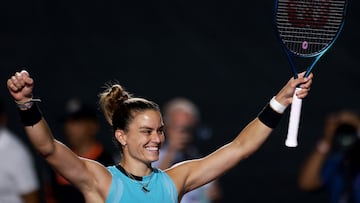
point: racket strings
(309, 26)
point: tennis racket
(306, 29)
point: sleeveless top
(125, 189)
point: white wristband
(276, 106)
(27, 104)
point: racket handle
(291, 139)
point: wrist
(27, 104)
(269, 117)
(30, 113)
(277, 106)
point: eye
(146, 131)
(161, 131)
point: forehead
(148, 118)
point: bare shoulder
(180, 173)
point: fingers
(24, 73)
(11, 86)
(16, 82)
(302, 94)
(19, 80)
(304, 83)
(285, 96)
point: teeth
(152, 148)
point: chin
(153, 155)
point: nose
(157, 137)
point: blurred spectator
(181, 118)
(18, 178)
(81, 127)
(334, 164)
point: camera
(345, 137)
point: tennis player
(139, 130)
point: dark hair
(119, 106)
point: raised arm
(83, 173)
(192, 174)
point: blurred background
(223, 55)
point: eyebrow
(150, 128)
(145, 128)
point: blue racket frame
(294, 119)
(291, 55)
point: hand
(285, 95)
(20, 86)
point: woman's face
(145, 136)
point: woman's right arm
(83, 173)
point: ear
(120, 137)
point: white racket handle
(292, 135)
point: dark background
(221, 54)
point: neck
(139, 180)
(136, 169)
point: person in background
(182, 119)
(334, 165)
(138, 128)
(81, 127)
(19, 181)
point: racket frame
(295, 113)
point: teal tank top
(123, 189)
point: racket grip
(291, 139)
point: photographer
(334, 164)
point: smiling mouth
(153, 149)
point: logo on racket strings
(308, 14)
(305, 45)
